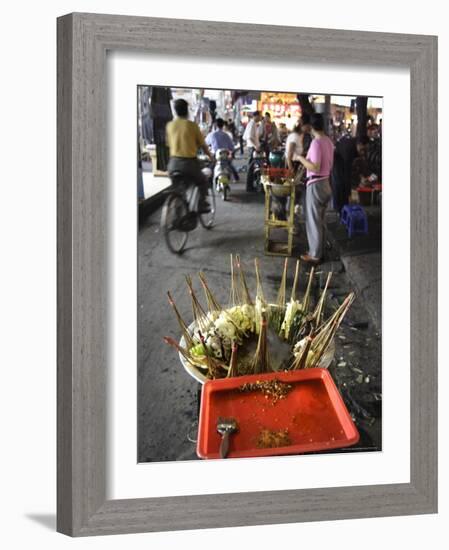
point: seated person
(219, 139)
(360, 169)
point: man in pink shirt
(318, 163)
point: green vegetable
(198, 350)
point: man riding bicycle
(184, 138)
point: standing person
(374, 150)
(268, 135)
(318, 190)
(294, 148)
(283, 132)
(251, 136)
(231, 127)
(350, 166)
(184, 138)
(344, 155)
(240, 132)
(227, 130)
(290, 122)
(160, 115)
(306, 129)
(219, 139)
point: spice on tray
(268, 439)
(274, 389)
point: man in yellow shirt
(184, 138)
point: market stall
(283, 107)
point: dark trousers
(341, 184)
(250, 170)
(241, 144)
(190, 168)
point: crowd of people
(328, 171)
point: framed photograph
(196, 205)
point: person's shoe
(310, 259)
(203, 207)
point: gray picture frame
(83, 40)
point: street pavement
(168, 398)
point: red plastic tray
(313, 412)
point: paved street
(167, 395)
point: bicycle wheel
(207, 220)
(173, 211)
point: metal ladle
(225, 427)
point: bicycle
(180, 213)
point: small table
(278, 184)
(373, 190)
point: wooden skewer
(261, 360)
(259, 289)
(295, 281)
(199, 315)
(244, 286)
(317, 314)
(234, 298)
(306, 300)
(212, 302)
(184, 329)
(233, 361)
(282, 287)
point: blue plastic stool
(355, 220)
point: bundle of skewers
(254, 336)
